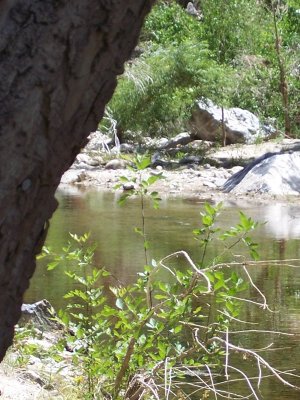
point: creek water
(169, 229)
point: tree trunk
(283, 83)
(59, 62)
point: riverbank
(33, 368)
(34, 377)
(190, 176)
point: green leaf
(161, 297)
(207, 220)
(178, 329)
(153, 178)
(124, 197)
(120, 303)
(197, 310)
(124, 179)
(254, 255)
(219, 275)
(164, 287)
(52, 265)
(210, 276)
(220, 284)
(142, 163)
(209, 209)
(138, 231)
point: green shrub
(168, 23)
(233, 28)
(117, 335)
(158, 91)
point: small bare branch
(191, 263)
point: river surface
(169, 229)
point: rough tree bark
(59, 62)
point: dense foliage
(237, 53)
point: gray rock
(127, 148)
(192, 10)
(84, 158)
(98, 142)
(128, 186)
(200, 145)
(220, 182)
(164, 144)
(180, 139)
(147, 141)
(190, 160)
(157, 160)
(273, 173)
(241, 126)
(159, 143)
(34, 377)
(116, 164)
(115, 151)
(40, 314)
(70, 177)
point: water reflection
(169, 229)
(283, 220)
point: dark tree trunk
(59, 62)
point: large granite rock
(241, 126)
(273, 173)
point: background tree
(59, 62)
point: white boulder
(276, 174)
(241, 126)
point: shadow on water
(169, 229)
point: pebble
(128, 186)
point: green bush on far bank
(228, 56)
(158, 90)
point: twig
(251, 302)
(194, 267)
(150, 387)
(261, 331)
(235, 319)
(265, 305)
(226, 356)
(258, 358)
(168, 379)
(212, 381)
(247, 380)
